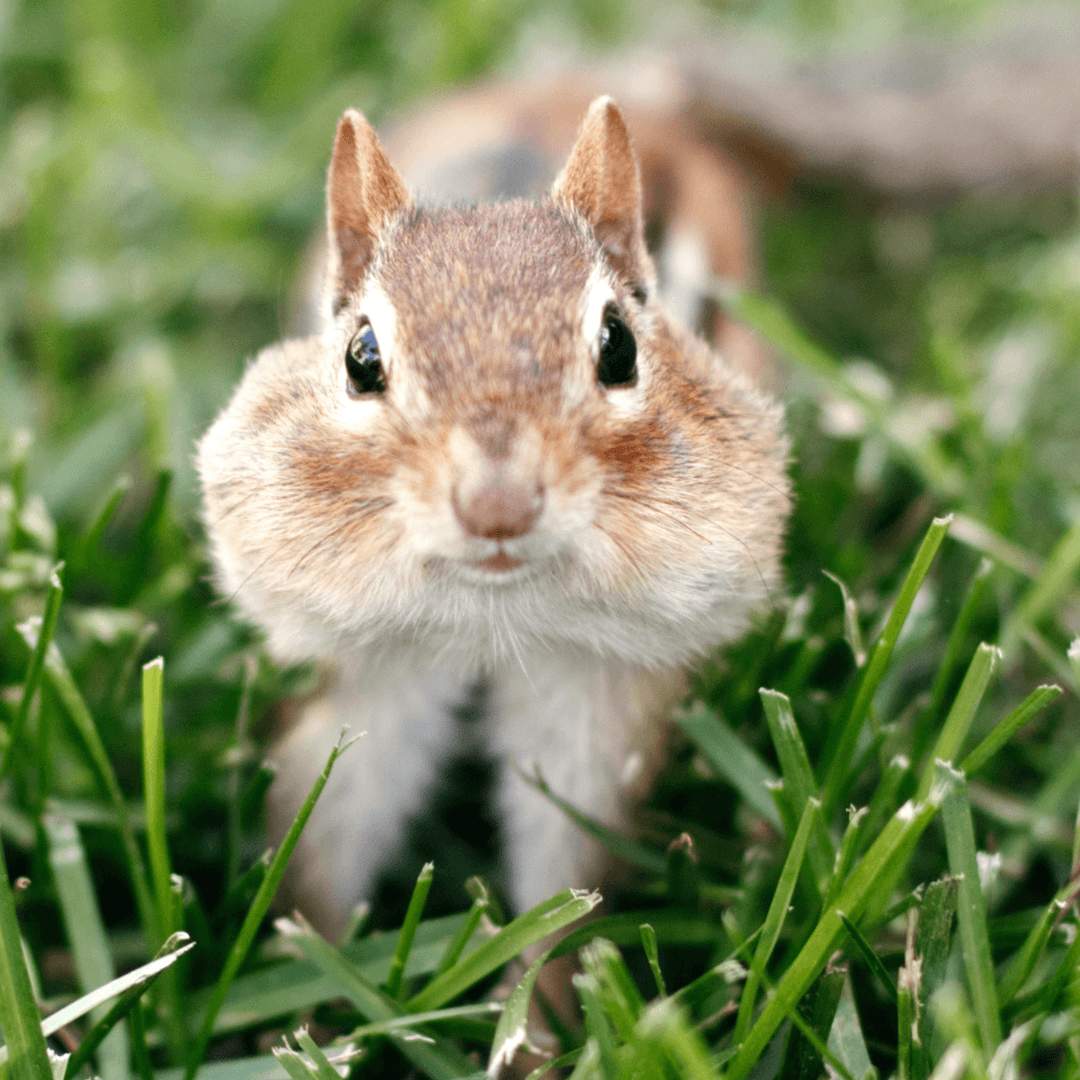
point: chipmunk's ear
(362, 193)
(601, 182)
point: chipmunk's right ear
(362, 193)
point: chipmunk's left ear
(601, 182)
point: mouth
(499, 563)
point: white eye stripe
(597, 295)
(375, 306)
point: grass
(838, 898)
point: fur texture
(384, 535)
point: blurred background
(161, 174)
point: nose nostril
(500, 511)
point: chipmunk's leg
(404, 717)
(592, 729)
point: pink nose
(500, 510)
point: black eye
(618, 353)
(363, 364)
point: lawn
(871, 908)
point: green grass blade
(774, 919)
(619, 845)
(798, 779)
(932, 944)
(44, 631)
(1023, 963)
(408, 930)
(560, 911)
(85, 930)
(846, 1039)
(924, 726)
(731, 758)
(1035, 702)
(153, 747)
(63, 685)
(845, 855)
(971, 911)
(962, 714)
(898, 836)
(437, 1059)
(511, 1031)
(617, 992)
(323, 1069)
(1057, 573)
(840, 759)
(169, 953)
(259, 907)
(20, 1019)
(873, 961)
(91, 537)
(128, 1001)
(812, 1021)
(468, 928)
(852, 630)
(1045, 997)
(411, 1020)
(648, 943)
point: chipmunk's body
(499, 464)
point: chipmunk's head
(499, 435)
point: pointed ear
(362, 193)
(601, 182)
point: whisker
(652, 505)
(622, 547)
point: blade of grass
(731, 758)
(511, 1031)
(169, 912)
(1045, 997)
(408, 930)
(1035, 702)
(845, 855)
(971, 910)
(924, 726)
(1057, 573)
(774, 919)
(1023, 963)
(873, 961)
(770, 319)
(259, 907)
(648, 943)
(846, 1038)
(44, 631)
(153, 746)
(840, 758)
(169, 953)
(85, 929)
(620, 846)
(812, 1020)
(852, 630)
(127, 1001)
(20, 1018)
(63, 685)
(463, 936)
(897, 837)
(91, 537)
(932, 943)
(962, 714)
(798, 780)
(560, 911)
(437, 1059)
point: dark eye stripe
(363, 364)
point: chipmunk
(499, 462)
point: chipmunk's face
(499, 436)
